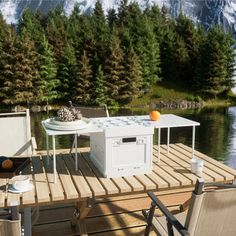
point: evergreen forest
(112, 57)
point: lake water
(215, 137)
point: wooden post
(81, 211)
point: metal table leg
(76, 154)
(193, 142)
(159, 144)
(27, 222)
(47, 146)
(54, 158)
(168, 140)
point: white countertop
(122, 122)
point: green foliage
(217, 63)
(66, 72)
(47, 72)
(99, 87)
(193, 98)
(114, 69)
(132, 76)
(19, 71)
(96, 58)
(82, 84)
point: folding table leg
(27, 222)
(193, 142)
(168, 140)
(54, 158)
(159, 144)
(47, 146)
(76, 154)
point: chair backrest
(91, 112)
(212, 213)
(15, 135)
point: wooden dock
(115, 204)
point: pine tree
(167, 52)
(4, 28)
(6, 69)
(99, 87)
(74, 26)
(100, 33)
(217, 63)
(181, 60)
(19, 72)
(30, 24)
(159, 26)
(56, 31)
(111, 18)
(48, 72)
(186, 30)
(133, 77)
(82, 84)
(67, 72)
(114, 68)
(122, 12)
(147, 49)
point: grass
(162, 92)
(166, 91)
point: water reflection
(216, 135)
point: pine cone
(76, 113)
(64, 114)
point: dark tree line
(109, 58)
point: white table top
(169, 121)
(104, 123)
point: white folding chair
(15, 136)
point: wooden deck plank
(172, 173)
(163, 174)
(93, 182)
(122, 185)
(13, 199)
(121, 214)
(3, 193)
(178, 164)
(137, 231)
(216, 176)
(175, 170)
(67, 183)
(217, 165)
(56, 189)
(107, 183)
(112, 222)
(158, 181)
(79, 181)
(208, 175)
(134, 183)
(148, 183)
(181, 159)
(28, 198)
(41, 182)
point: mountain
(204, 12)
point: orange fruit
(7, 164)
(154, 115)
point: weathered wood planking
(41, 182)
(172, 172)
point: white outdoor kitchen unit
(123, 148)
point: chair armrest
(171, 219)
(185, 205)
